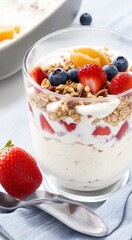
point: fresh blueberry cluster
(60, 76)
(120, 64)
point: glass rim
(57, 95)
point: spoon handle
(71, 213)
(36, 201)
(44, 200)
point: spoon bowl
(73, 214)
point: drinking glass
(75, 162)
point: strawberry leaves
(8, 144)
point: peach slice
(8, 32)
(94, 54)
(80, 59)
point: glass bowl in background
(75, 162)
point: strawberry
(38, 75)
(19, 173)
(69, 127)
(45, 125)
(101, 131)
(93, 76)
(120, 83)
(122, 130)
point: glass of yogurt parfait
(79, 88)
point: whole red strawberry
(120, 83)
(38, 75)
(93, 76)
(19, 173)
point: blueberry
(85, 19)
(73, 75)
(111, 71)
(121, 63)
(58, 76)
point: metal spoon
(71, 213)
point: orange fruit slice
(80, 59)
(8, 32)
(86, 55)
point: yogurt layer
(78, 159)
(84, 128)
(79, 166)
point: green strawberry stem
(8, 144)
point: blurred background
(116, 15)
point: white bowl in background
(12, 53)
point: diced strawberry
(69, 127)
(122, 130)
(45, 125)
(101, 131)
(120, 83)
(30, 108)
(38, 75)
(37, 90)
(93, 76)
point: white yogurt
(81, 166)
(83, 129)
(77, 159)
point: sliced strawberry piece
(30, 107)
(101, 131)
(37, 90)
(122, 130)
(45, 125)
(38, 75)
(69, 127)
(93, 76)
(120, 83)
